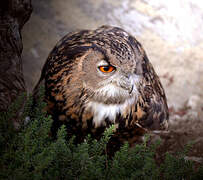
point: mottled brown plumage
(79, 94)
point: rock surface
(170, 31)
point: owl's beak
(130, 91)
(126, 83)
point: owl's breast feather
(103, 111)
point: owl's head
(110, 66)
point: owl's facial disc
(109, 81)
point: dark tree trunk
(13, 15)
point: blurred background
(171, 32)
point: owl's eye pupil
(106, 69)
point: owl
(97, 78)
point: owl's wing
(153, 101)
(151, 107)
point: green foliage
(31, 153)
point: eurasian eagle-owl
(95, 78)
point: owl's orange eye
(106, 69)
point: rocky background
(170, 32)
